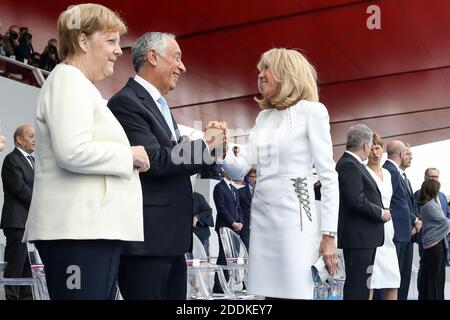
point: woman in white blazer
(87, 196)
(291, 133)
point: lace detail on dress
(301, 189)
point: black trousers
(81, 269)
(358, 270)
(221, 260)
(405, 257)
(432, 270)
(153, 278)
(18, 266)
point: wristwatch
(329, 233)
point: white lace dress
(285, 227)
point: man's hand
(386, 215)
(329, 252)
(195, 221)
(140, 158)
(237, 226)
(418, 225)
(222, 126)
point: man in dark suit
(228, 215)
(245, 200)
(155, 268)
(403, 211)
(361, 213)
(203, 219)
(18, 178)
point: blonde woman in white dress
(290, 134)
(386, 273)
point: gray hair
(357, 135)
(150, 40)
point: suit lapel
(366, 173)
(25, 164)
(150, 105)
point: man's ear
(152, 57)
(82, 41)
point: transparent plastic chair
(236, 255)
(200, 275)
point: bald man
(403, 215)
(18, 178)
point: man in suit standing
(155, 268)
(245, 200)
(361, 213)
(228, 215)
(18, 178)
(403, 211)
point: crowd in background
(17, 44)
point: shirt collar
(355, 156)
(151, 89)
(227, 182)
(396, 165)
(25, 154)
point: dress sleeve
(321, 147)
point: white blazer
(85, 186)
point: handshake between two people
(216, 137)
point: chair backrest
(40, 292)
(233, 247)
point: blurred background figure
(203, 219)
(25, 49)
(10, 40)
(435, 228)
(18, 179)
(50, 58)
(245, 200)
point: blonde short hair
(85, 18)
(295, 76)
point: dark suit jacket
(203, 211)
(18, 178)
(245, 201)
(413, 208)
(227, 206)
(400, 210)
(166, 187)
(360, 224)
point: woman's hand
(140, 158)
(329, 252)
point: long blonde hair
(294, 74)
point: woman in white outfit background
(291, 133)
(386, 273)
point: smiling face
(102, 51)
(266, 83)
(169, 67)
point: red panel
(231, 12)
(432, 24)
(301, 33)
(223, 61)
(240, 114)
(309, 5)
(395, 48)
